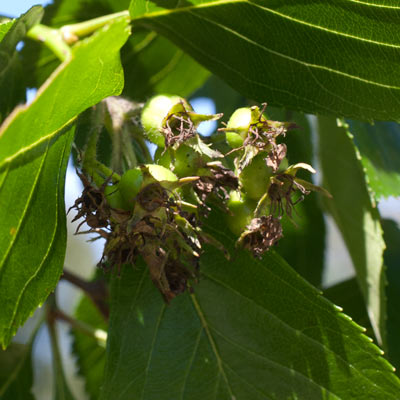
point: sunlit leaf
(151, 62)
(252, 330)
(311, 56)
(34, 148)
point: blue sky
(14, 8)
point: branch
(95, 290)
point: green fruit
(241, 209)
(184, 161)
(255, 177)
(163, 158)
(283, 165)
(159, 173)
(240, 120)
(187, 161)
(114, 197)
(155, 113)
(130, 184)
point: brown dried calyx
(219, 180)
(162, 243)
(276, 156)
(178, 128)
(281, 192)
(261, 234)
(91, 205)
(157, 230)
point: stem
(72, 32)
(96, 291)
(260, 205)
(116, 153)
(90, 154)
(53, 39)
(99, 334)
(104, 170)
(128, 150)
(60, 385)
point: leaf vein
(273, 316)
(51, 241)
(24, 212)
(212, 342)
(188, 369)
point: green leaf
(252, 330)
(355, 214)
(379, 147)
(91, 356)
(12, 88)
(392, 262)
(5, 26)
(347, 294)
(16, 376)
(161, 66)
(34, 148)
(308, 56)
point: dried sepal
(91, 205)
(217, 180)
(261, 234)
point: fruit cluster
(155, 210)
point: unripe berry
(240, 121)
(255, 177)
(241, 210)
(156, 112)
(130, 184)
(114, 198)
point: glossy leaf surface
(34, 148)
(252, 330)
(160, 65)
(310, 56)
(355, 214)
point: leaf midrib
(204, 323)
(24, 212)
(319, 344)
(51, 240)
(211, 4)
(289, 58)
(257, 83)
(24, 150)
